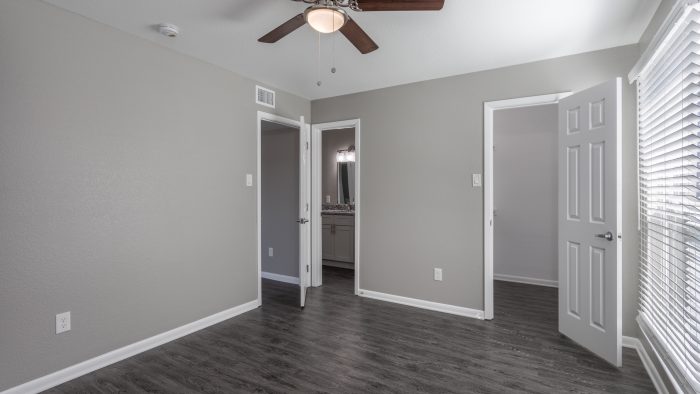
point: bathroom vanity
(338, 237)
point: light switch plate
(63, 322)
(249, 180)
(437, 274)
(476, 180)
(270, 252)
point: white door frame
(316, 198)
(489, 108)
(268, 117)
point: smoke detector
(168, 30)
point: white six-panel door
(590, 292)
(304, 209)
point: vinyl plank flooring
(341, 343)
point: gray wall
(525, 192)
(280, 200)
(122, 188)
(332, 141)
(419, 209)
(665, 7)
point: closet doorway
(283, 204)
(525, 195)
(520, 191)
(587, 127)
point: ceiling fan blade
(354, 33)
(401, 5)
(283, 29)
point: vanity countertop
(337, 212)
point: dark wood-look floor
(341, 343)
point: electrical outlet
(270, 252)
(249, 180)
(328, 199)
(63, 322)
(476, 180)
(437, 274)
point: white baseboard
(280, 278)
(635, 343)
(101, 361)
(629, 342)
(526, 280)
(433, 306)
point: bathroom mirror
(346, 183)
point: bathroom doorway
(335, 192)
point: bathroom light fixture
(346, 155)
(325, 19)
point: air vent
(264, 96)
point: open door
(304, 209)
(590, 292)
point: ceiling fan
(328, 16)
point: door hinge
(307, 268)
(307, 207)
(307, 145)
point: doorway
(588, 186)
(525, 195)
(280, 202)
(490, 109)
(335, 190)
(283, 208)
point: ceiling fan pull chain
(335, 35)
(318, 61)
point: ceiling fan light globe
(325, 19)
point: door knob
(302, 220)
(609, 236)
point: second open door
(590, 289)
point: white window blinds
(669, 177)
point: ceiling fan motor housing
(325, 19)
(327, 16)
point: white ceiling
(466, 36)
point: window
(669, 178)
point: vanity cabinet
(338, 238)
(328, 252)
